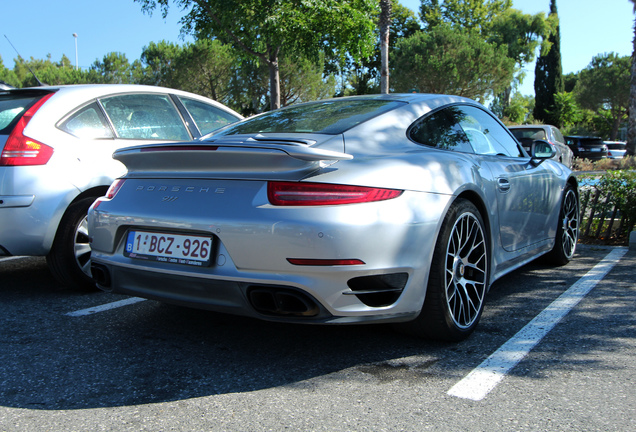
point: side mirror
(541, 150)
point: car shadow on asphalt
(152, 352)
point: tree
(521, 34)
(497, 23)
(604, 86)
(451, 61)
(267, 29)
(566, 111)
(160, 63)
(473, 15)
(116, 69)
(302, 81)
(631, 128)
(206, 68)
(7, 76)
(364, 76)
(385, 26)
(548, 76)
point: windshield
(323, 117)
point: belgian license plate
(595, 149)
(171, 248)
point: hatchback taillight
(20, 150)
(318, 194)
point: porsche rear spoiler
(254, 157)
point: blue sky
(41, 27)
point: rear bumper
(281, 302)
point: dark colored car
(587, 147)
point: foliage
(116, 69)
(566, 111)
(364, 75)
(8, 76)
(620, 187)
(160, 60)
(520, 33)
(604, 88)
(269, 29)
(548, 77)
(451, 61)
(472, 15)
(625, 163)
(206, 68)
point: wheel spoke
(466, 270)
(81, 248)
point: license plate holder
(185, 249)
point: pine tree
(548, 79)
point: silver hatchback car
(56, 158)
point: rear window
(12, 106)
(325, 117)
(533, 134)
(616, 146)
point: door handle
(503, 184)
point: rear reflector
(324, 262)
(317, 194)
(20, 150)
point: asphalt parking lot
(555, 350)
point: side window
(441, 130)
(558, 135)
(208, 118)
(88, 123)
(145, 116)
(485, 134)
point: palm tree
(631, 127)
(385, 24)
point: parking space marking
(105, 307)
(481, 380)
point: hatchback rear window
(12, 106)
(324, 117)
(533, 134)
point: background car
(527, 134)
(385, 208)
(56, 158)
(586, 147)
(616, 149)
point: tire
(567, 234)
(69, 258)
(458, 279)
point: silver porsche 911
(384, 208)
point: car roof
(91, 91)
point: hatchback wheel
(69, 258)
(458, 279)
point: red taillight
(317, 194)
(114, 188)
(20, 150)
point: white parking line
(478, 383)
(105, 307)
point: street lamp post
(75, 36)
